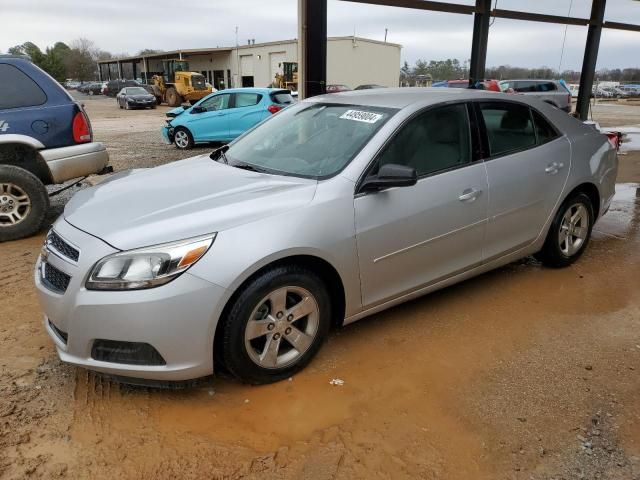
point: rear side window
(546, 87)
(544, 130)
(247, 99)
(283, 98)
(18, 90)
(524, 86)
(509, 127)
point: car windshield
(313, 140)
(136, 91)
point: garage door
(276, 59)
(246, 65)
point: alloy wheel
(15, 205)
(282, 327)
(574, 229)
(182, 139)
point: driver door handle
(469, 195)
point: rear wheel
(569, 233)
(173, 97)
(276, 325)
(23, 203)
(183, 138)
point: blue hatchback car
(223, 115)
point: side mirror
(197, 109)
(391, 175)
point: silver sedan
(334, 209)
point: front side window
(435, 140)
(314, 140)
(18, 90)
(217, 102)
(509, 127)
(247, 99)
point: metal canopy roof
(312, 26)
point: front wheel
(569, 233)
(276, 325)
(23, 203)
(183, 139)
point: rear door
(528, 163)
(412, 237)
(213, 123)
(247, 110)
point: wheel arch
(591, 191)
(318, 265)
(25, 155)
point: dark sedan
(133, 97)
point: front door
(212, 124)
(412, 237)
(527, 166)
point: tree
(148, 51)
(81, 60)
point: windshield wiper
(219, 153)
(247, 166)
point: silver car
(334, 209)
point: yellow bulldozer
(178, 85)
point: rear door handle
(469, 195)
(554, 167)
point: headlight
(147, 267)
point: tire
(120, 105)
(183, 139)
(126, 105)
(173, 98)
(90, 92)
(253, 315)
(22, 195)
(575, 216)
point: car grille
(54, 279)
(59, 245)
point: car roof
(252, 90)
(403, 97)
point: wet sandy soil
(522, 373)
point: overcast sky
(129, 26)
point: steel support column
(312, 37)
(590, 58)
(480, 40)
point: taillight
(81, 128)
(614, 139)
(274, 108)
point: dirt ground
(522, 373)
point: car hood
(181, 200)
(176, 111)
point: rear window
(18, 90)
(282, 97)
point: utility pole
(386, 30)
(235, 82)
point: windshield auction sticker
(359, 116)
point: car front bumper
(75, 161)
(167, 134)
(177, 319)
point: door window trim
(474, 147)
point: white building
(351, 61)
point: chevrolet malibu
(334, 209)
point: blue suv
(45, 138)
